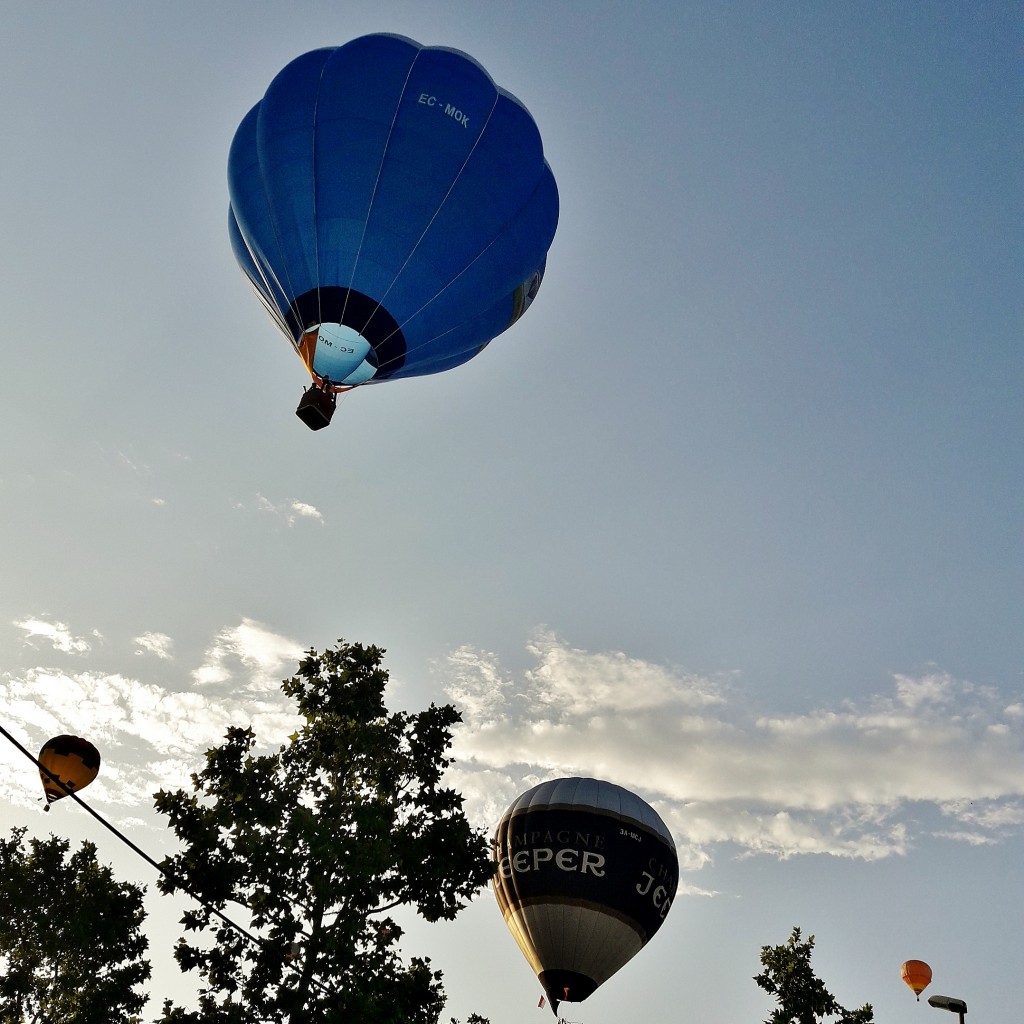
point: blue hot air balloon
(393, 209)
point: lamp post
(949, 1003)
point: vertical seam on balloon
(290, 289)
(440, 205)
(266, 298)
(262, 264)
(267, 272)
(373, 194)
(316, 222)
(464, 270)
(573, 952)
(542, 930)
(614, 796)
(274, 313)
(530, 920)
(286, 286)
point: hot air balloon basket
(316, 408)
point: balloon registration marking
(453, 112)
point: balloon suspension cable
(245, 933)
(332, 387)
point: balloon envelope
(391, 206)
(586, 872)
(917, 974)
(74, 761)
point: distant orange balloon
(917, 974)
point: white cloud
(971, 838)
(574, 682)
(838, 781)
(155, 643)
(291, 511)
(57, 634)
(929, 689)
(300, 510)
(933, 756)
(262, 656)
(475, 684)
(149, 736)
(105, 706)
(993, 815)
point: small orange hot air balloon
(917, 974)
(75, 763)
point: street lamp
(949, 1003)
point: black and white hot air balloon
(586, 873)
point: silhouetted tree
(801, 995)
(71, 949)
(319, 841)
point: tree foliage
(71, 949)
(318, 842)
(801, 995)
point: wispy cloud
(930, 756)
(291, 511)
(130, 460)
(57, 635)
(155, 643)
(151, 736)
(845, 781)
(252, 650)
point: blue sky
(732, 517)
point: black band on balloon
(582, 855)
(334, 305)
